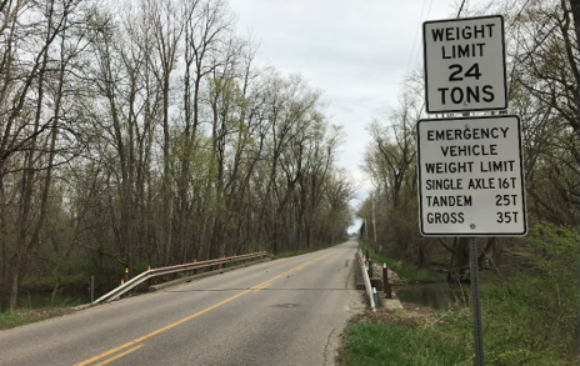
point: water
(435, 295)
(34, 300)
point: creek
(439, 295)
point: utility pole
(374, 224)
(366, 231)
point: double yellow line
(261, 287)
(160, 330)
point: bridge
(284, 312)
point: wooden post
(92, 288)
(386, 285)
(370, 264)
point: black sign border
(425, 65)
(522, 176)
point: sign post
(477, 328)
(471, 180)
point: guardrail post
(386, 285)
(126, 274)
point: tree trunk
(15, 284)
(489, 251)
(575, 8)
(459, 262)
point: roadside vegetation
(15, 318)
(373, 344)
(528, 319)
(144, 133)
(529, 296)
(404, 269)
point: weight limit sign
(471, 177)
(465, 64)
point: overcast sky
(356, 51)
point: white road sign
(471, 178)
(465, 64)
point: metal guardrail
(155, 272)
(364, 268)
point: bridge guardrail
(367, 280)
(155, 272)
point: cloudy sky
(356, 51)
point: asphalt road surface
(282, 312)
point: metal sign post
(474, 274)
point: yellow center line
(258, 288)
(167, 327)
(263, 287)
(119, 355)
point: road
(283, 312)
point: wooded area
(143, 133)
(543, 75)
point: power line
(519, 13)
(426, 18)
(416, 34)
(460, 8)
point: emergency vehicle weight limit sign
(465, 64)
(471, 177)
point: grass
(370, 344)
(16, 318)
(404, 270)
(523, 324)
(529, 319)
